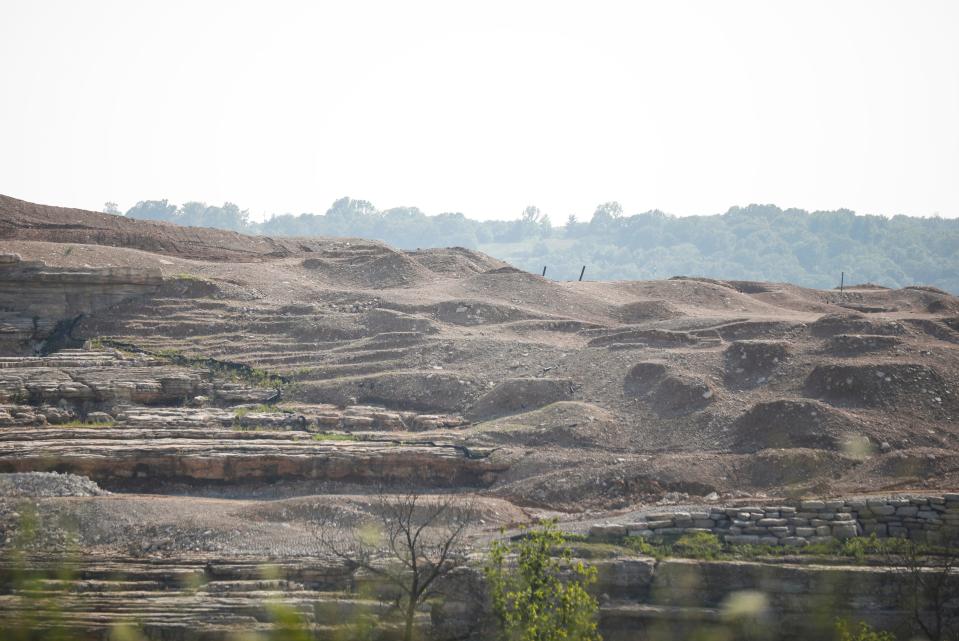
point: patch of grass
(334, 436)
(595, 551)
(857, 548)
(860, 632)
(708, 546)
(236, 372)
(193, 277)
(654, 548)
(240, 412)
(698, 545)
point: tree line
(756, 242)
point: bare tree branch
(420, 539)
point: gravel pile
(47, 484)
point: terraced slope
(197, 364)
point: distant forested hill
(758, 242)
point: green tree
(538, 593)
(612, 209)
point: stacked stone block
(919, 518)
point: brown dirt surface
(583, 395)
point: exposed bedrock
(78, 382)
(684, 599)
(215, 599)
(146, 461)
(37, 301)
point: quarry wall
(801, 522)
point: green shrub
(698, 545)
(646, 547)
(861, 632)
(538, 593)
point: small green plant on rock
(860, 632)
(538, 593)
(698, 545)
(333, 436)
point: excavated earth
(213, 389)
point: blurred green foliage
(538, 592)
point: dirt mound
(750, 363)
(609, 484)
(669, 394)
(751, 287)
(642, 378)
(934, 328)
(475, 312)
(677, 395)
(357, 508)
(889, 385)
(42, 484)
(421, 391)
(519, 395)
(791, 467)
(646, 310)
(456, 261)
(857, 344)
(791, 423)
(943, 306)
(365, 266)
(650, 337)
(561, 326)
(561, 424)
(749, 329)
(928, 288)
(915, 464)
(28, 221)
(832, 324)
(382, 320)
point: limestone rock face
(40, 298)
(127, 457)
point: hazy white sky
(483, 107)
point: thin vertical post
(582, 271)
(544, 271)
(842, 281)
